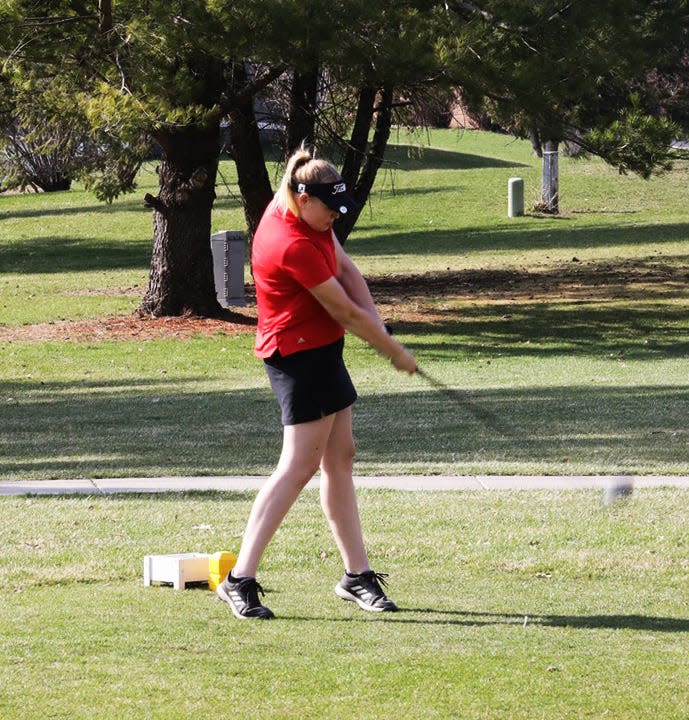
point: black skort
(311, 384)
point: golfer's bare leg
(337, 493)
(302, 448)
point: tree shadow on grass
(393, 191)
(510, 237)
(61, 431)
(633, 310)
(56, 210)
(650, 331)
(413, 157)
(52, 254)
(57, 254)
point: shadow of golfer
(646, 623)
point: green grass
(520, 605)
(203, 407)
(514, 605)
(449, 205)
(577, 343)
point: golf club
(462, 397)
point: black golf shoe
(366, 591)
(241, 594)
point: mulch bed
(406, 297)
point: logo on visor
(301, 188)
(338, 188)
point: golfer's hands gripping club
(402, 360)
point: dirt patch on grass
(404, 297)
(575, 281)
(132, 327)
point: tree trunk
(356, 149)
(104, 15)
(536, 142)
(181, 277)
(252, 175)
(302, 115)
(374, 159)
(551, 184)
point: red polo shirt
(289, 257)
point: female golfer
(308, 292)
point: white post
(515, 197)
(551, 181)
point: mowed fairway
(513, 605)
(565, 341)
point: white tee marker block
(178, 569)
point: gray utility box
(228, 267)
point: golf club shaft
(462, 397)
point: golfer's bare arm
(357, 314)
(354, 284)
